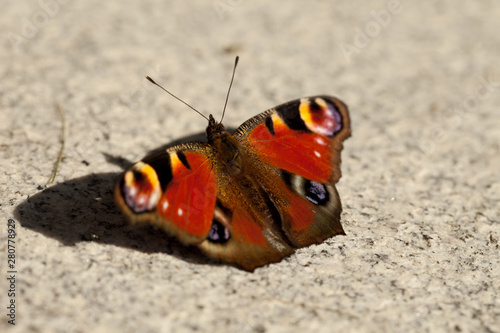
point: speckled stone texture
(420, 185)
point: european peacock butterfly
(251, 197)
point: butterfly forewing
(179, 187)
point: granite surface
(420, 185)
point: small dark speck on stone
(259, 328)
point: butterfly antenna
(230, 85)
(168, 92)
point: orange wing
(295, 151)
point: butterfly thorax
(226, 147)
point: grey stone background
(420, 185)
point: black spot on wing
(138, 176)
(290, 114)
(314, 107)
(160, 162)
(270, 125)
(218, 233)
(183, 159)
(316, 193)
(287, 178)
(222, 217)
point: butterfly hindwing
(248, 236)
(296, 148)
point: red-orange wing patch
(174, 189)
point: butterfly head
(214, 129)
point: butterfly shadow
(83, 210)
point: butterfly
(252, 197)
